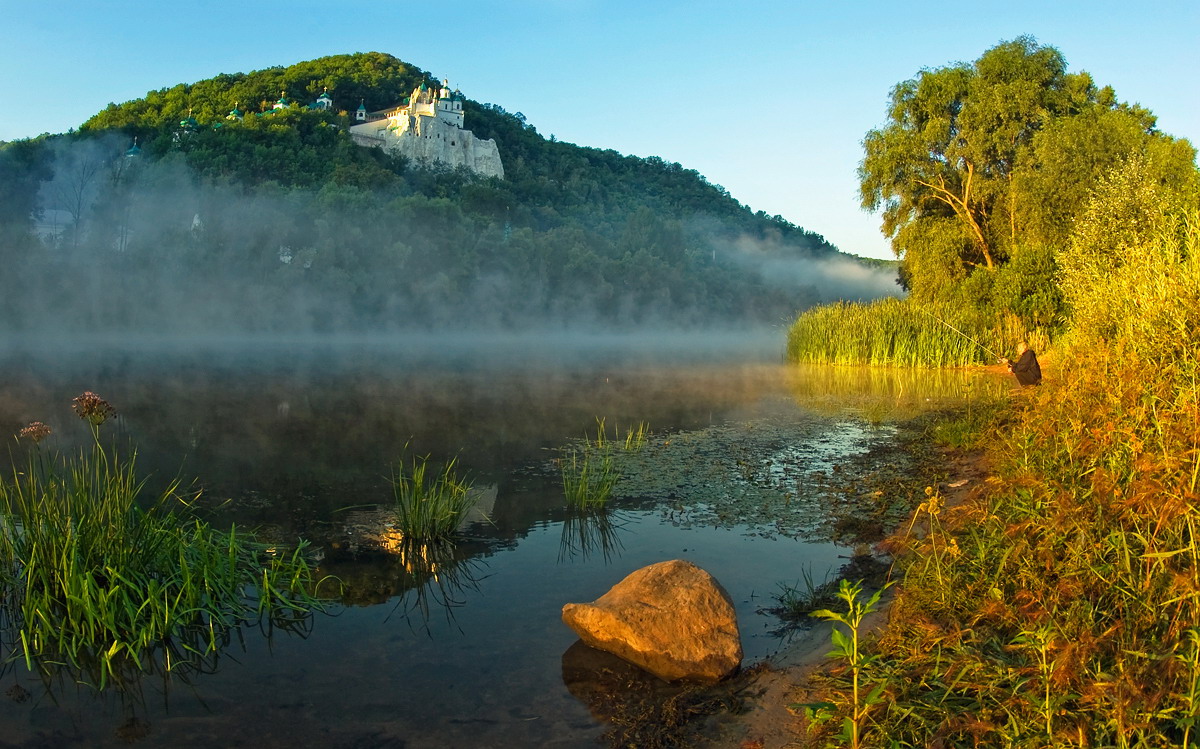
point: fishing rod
(964, 335)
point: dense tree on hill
(982, 169)
(279, 221)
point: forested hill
(281, 222)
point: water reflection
(423, 577)
(588, 531)
(887, 394)
(178, 662)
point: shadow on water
(458, 644)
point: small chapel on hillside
(428, 129)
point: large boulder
(672, 619)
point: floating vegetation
(766, 475)
(430, 505)
(99, 578)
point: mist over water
(142, 249)
(831, 278)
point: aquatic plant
(430, 505)
(100, 578)
(897, 332)
(588, 467)
(588, 478)
(635, 437)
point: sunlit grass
(894, 332)
(1062, 606)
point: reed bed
(99, 578)
(894, 332)
(430, 504)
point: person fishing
(1026, 366)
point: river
(297, 439)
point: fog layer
(124, 245)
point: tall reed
(894, 332)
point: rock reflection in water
(639, 708)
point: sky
(769, 99)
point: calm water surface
(293, 433)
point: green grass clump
(588, 478)
(589, 468)
(106, 581)
(893, 332)
(430, 505)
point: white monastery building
(428, 129)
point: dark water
(293, 433)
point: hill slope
(281, 222)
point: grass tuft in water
(588, 478)
(430, 504)
(589, 467)
(635, 437)
(100, 578)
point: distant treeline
(280, 222)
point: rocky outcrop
(671, 619)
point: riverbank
(766, 720)
(1054, 599)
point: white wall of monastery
(429, 131)
(431, 141)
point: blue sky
(769, 99)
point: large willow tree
(982, 168)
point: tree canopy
(983, 167)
